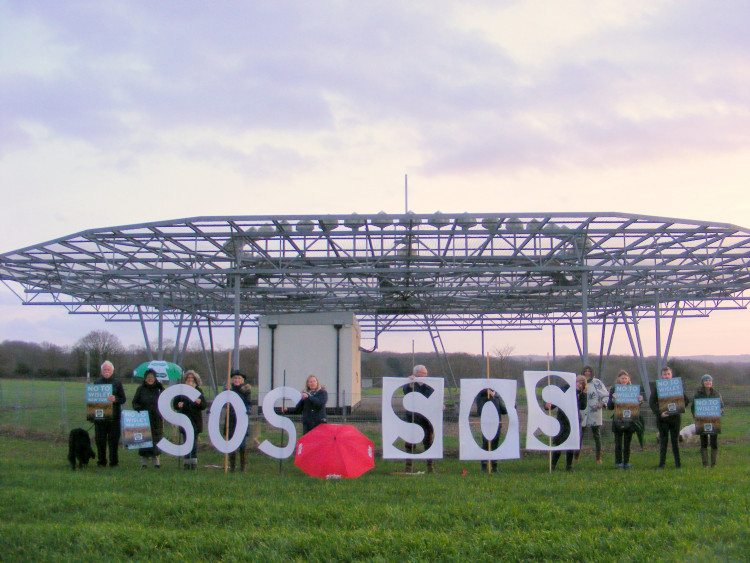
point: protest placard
(671, 396)
(136, 430)
(708, 416)
(97, 406)
(627, 405)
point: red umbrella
(335, 451)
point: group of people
(591, 393)
(107, 432)
(593, 399)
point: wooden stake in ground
(549, 413)
(283, 409)
(489, 442)
(226, 425)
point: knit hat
(238, 373)
(706, 378)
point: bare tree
(101, 345)
(503, 354)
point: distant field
(275, 513)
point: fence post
(18, 405)
(63, 410)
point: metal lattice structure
(395, 272)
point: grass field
(276, 513)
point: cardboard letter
(179, 419)
(280, 421)
(509, 448)
(414, 403)
(538, 419)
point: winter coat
(596, 400)
(562, 418)
(147, 399)
(245, 392)
(313, 409)
(118, 391)
(482, 399)
(192, 409)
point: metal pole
(338, 363)
(657, 318)
(181, 358)
(176, 350)
(145, 334)
(236, 355)
(554, 346)
(585, 316)
(671, 332)
(272, 328)
(161, 327)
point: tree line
(47, 360)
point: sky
(115, 113)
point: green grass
(276, 513)
(50, 513)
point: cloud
(261, 88)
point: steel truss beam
(463, 271)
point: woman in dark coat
(194, 411)
(707, 391)
(565, 428)
(312, 405)
(622, 429)
(243, 389)
(147, 399)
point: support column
(657, 317)
(585, 316)
(236, 352)
(145, 335)
(160, 351)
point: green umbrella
(165, 371)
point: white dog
(688, 434)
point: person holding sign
(495, 402)
(591, 415)
(625, 400)
(581, 397)
(107, 432)
(194, 411)
(418, 419)
(708, 406)
(667, 401)
(147, 399)
(243, 389)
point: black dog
(79, 448)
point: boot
(704, 456)
(714, 453)
(243, 459)
(409, 466)
(194, 463)
(430, 466)
(232, 461)
(157, 465)
(576, 455)
(599, 457)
